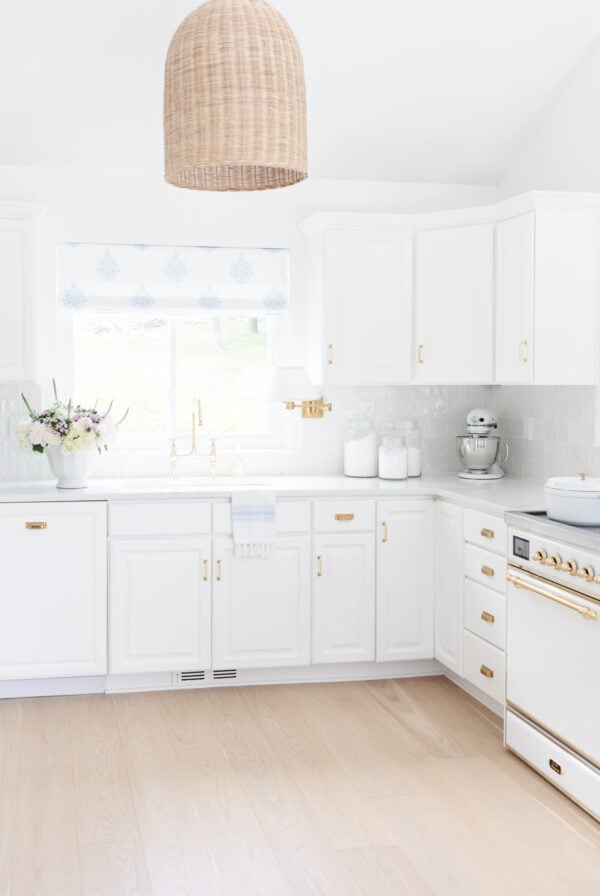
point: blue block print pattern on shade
(73, 297)
(176, 269)
(108, 266)
(241, 270)
(209, 300)
(275, 301)
(142, 299)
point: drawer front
(344, 516)
(560, 767)
(485, 613)
(485, 568)
(160, 518)
(484, 666)
(485, 531)
(290, 517)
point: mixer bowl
(477, 452)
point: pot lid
(579, 483)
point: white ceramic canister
(393, 457)
(573, 499)
(360, 447)
(410, 430)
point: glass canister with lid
(393, 456)
(360, 446)
(410, 430)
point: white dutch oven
(573, 499)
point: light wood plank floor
(354, 789)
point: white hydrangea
(40, 434)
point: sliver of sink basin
(181, 485)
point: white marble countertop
(510, 493)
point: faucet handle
(199, 408)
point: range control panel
(572, 567)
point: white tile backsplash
(14, 463)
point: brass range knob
(570, 566)
(596, 580)
(587, 573)
(540, 556)
(554, 561)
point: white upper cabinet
(454, 305)
(18, 256)
(514, 299)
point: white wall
(561, 148)
(90, 205)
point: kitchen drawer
(485, 531)
(567, 772)
(484, 666)
(485, 613)
(485, 568)
(290, 517)
(342, 515)
(160, 518)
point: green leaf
(39, 449)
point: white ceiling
(406, 90)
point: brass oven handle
(205, 576)
(584, 612)
(39, 525)
(488, 533)
(344, 516)
(384, 537)
(488, 571)
(487, 617)
(320, 565)
(219, 570)
(485, 670)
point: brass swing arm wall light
(291, 385)
(311, 410)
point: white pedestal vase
(72, 470)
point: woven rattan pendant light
(235, 101)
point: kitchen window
(160, 327)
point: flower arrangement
(68, 427)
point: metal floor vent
(224, 673)
(192, 676)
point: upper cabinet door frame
(515, 264)
(368, 299)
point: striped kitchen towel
(253, 518)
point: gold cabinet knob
(569, 566)
(554, 561)
(540, 556)
(587, 573)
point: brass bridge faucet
(193, 452)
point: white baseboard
(480, 696)
(53, 687)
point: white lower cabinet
(52, 590)
(344, 598)
(160, 605)
(261, 607)
(405, 579)
(449, 586)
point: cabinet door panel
(344, 605)
(514, 299)
(261, 608)
(405, 581)
(52, 590)
(368, 307)
(160, 605)
(454, 306)
(449, 589)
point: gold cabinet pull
(523, 359)
(330, 353)
(344, 516)
(488, 571)
(39, 525)
(320, 565)
(420, 354)
(485, 670)
(584, 612)
(384, 537)
(219, 570)
(555, 766)
(488, 533)
(487, 617)
(205, 576)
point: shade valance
(209, 280)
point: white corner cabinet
(52, 590)
(18, 285)
(498, 294)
